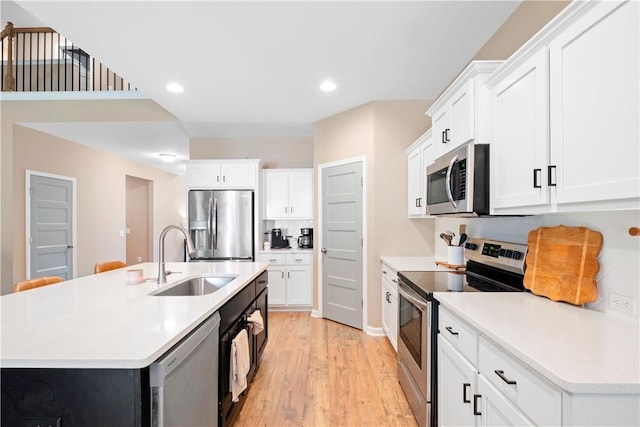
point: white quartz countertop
(99, 321)
(580, 350)
(416, 263)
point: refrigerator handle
(210, 225)
(215, 223)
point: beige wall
(523, 23)
(378, 131)
(286, 152)
(101, 197)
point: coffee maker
(278, 240)
(306, 238)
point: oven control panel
(505, 255)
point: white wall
(619, 257)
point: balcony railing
(38, 59)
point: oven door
(414, 342)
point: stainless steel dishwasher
(184, 382)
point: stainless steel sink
(196, 286)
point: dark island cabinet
(75, 397)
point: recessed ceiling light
(328, 86)
(175, 88)
(167, 157)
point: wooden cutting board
(562, 263)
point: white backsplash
(289, 227)
(619, 257)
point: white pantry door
(342, 244)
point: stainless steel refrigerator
(221, 224)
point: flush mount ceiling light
(167, 157)
(175, 88)
(328, 86)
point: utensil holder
(455, 255)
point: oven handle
(449, 169)
(409, 295)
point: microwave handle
(449, 169)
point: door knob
(323, 250)
(69, 246)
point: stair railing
(40, 59)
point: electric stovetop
(492, 266)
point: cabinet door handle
(475, 404)
(298, 260)
(283, 274)
(500, 373)
(536, 174)
(291, 209)
(224, 178)
(446, 135)
(217, 178)
(443, 140)
(384, 272)
(288, 275)
(550, 175)
(285, 209)
(465, 398)
(394, 280)
(386, 297)
(273, 260)
(450, 330)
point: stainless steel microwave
(458, 182)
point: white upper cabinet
(232, 174)
(419, 155)
(567, 115)
(288, 193)
(463, 112)
(595, 132)
(520, 149)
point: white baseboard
(376, 332)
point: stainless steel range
(492, 266)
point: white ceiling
(252, 69)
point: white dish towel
(240, 364)
(256, 322)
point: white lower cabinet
(495, 409)
(390, 304)
(456, 391)
(482, 384)
(290, 279)
(479, 384)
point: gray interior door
(51, 226)
(342, 244)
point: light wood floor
(315, 372)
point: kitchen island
(78, 352)
(99, 321)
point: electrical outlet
(139, 259)
(622, 303)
